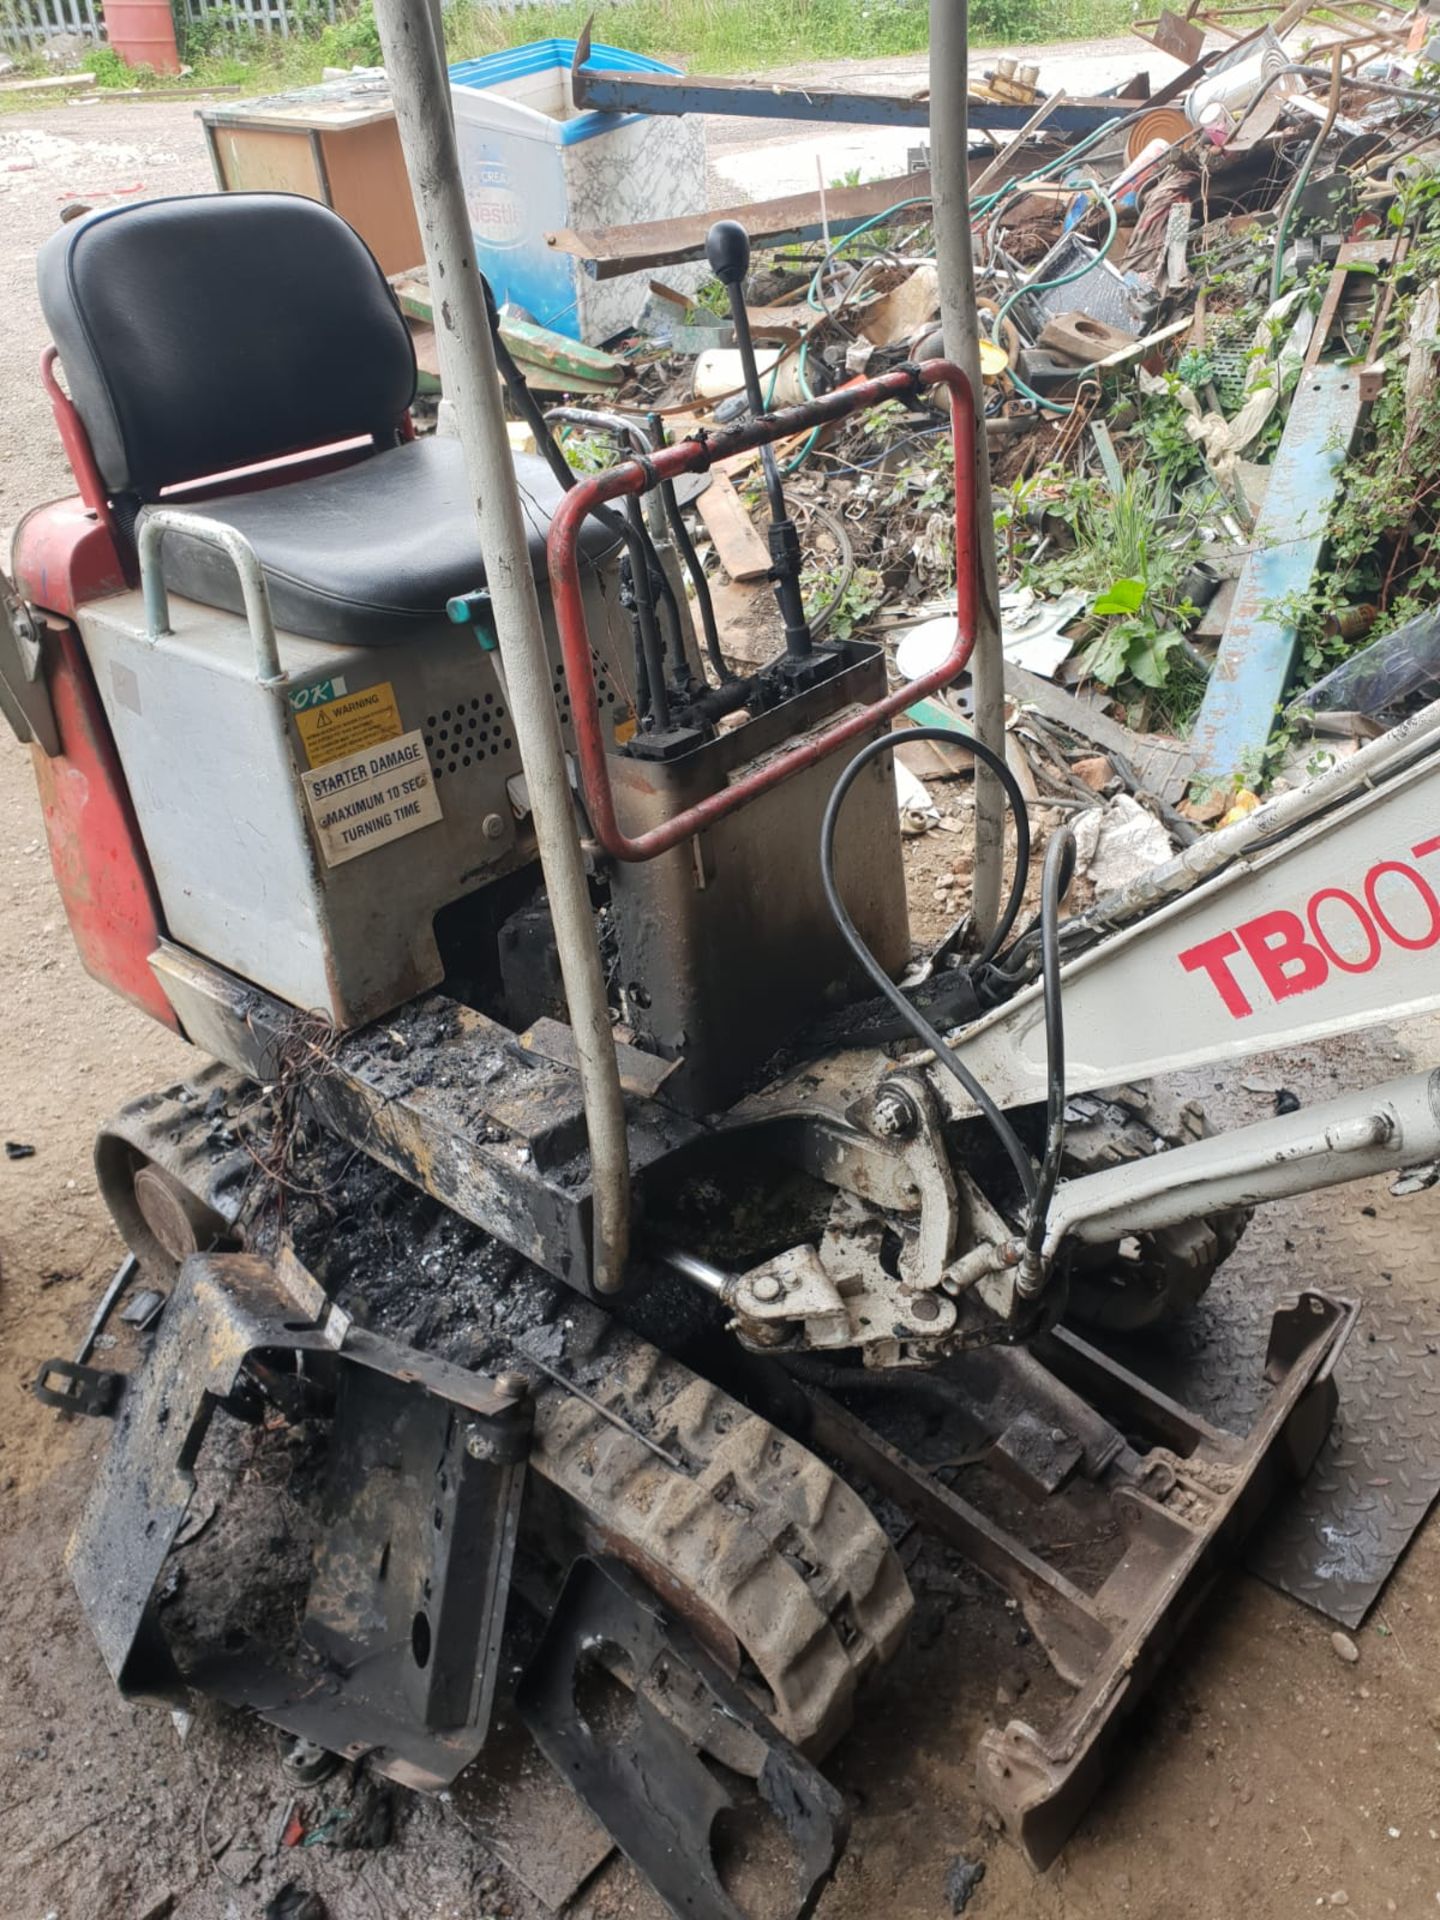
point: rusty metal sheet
(1182, 38)
(611, 91)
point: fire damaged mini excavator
(658, 1343)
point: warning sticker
(372, 797)
(339, 728)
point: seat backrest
(221, 330)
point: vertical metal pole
(950, 178)
(419, 89)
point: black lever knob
(727, 248)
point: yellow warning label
(350, 724)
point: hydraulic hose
(914, 1019)
(1037, 1184)
(1055, 879)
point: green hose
(983, 208)
(1062, 280)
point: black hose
(1055, 878)
(650, 648)
(685, 547)
(635, 534)
(913, 1018)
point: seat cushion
(216, 330)
(369, 555)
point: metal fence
(28, 26)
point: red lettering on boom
(1294, 955)
(1362, 920)
(1286, 961)
(1427, 897)
(1211, 957)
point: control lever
(727, 248)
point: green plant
(1162, 426)
(862, 595)
(1132, 645)
(713, 296)
(588, 452)
(1383, 533)
(1132, 558)
(111, 71)
(707, 36)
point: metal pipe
(1371, 1131)
(727, 248)
(661, 507)
(656, 701)
(955, 262)
(685, 547)
(653, 696)
(623, 429)
(153, 529)
(418, 91)
(704, 1273)
(1418, 735)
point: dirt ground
(1266, 1777)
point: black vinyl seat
(215, 332)
(369, 555)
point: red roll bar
(696, 456)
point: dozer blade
(396, 1655)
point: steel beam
(610, 92)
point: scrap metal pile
(1208, 326)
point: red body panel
(64, 556)
(95, 845)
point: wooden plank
(370, 188)
(553, 359)
(607, 251)
(51, 84)
(743, 554)
(1373, 253)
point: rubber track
(758, 1538)
(776, 1560)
